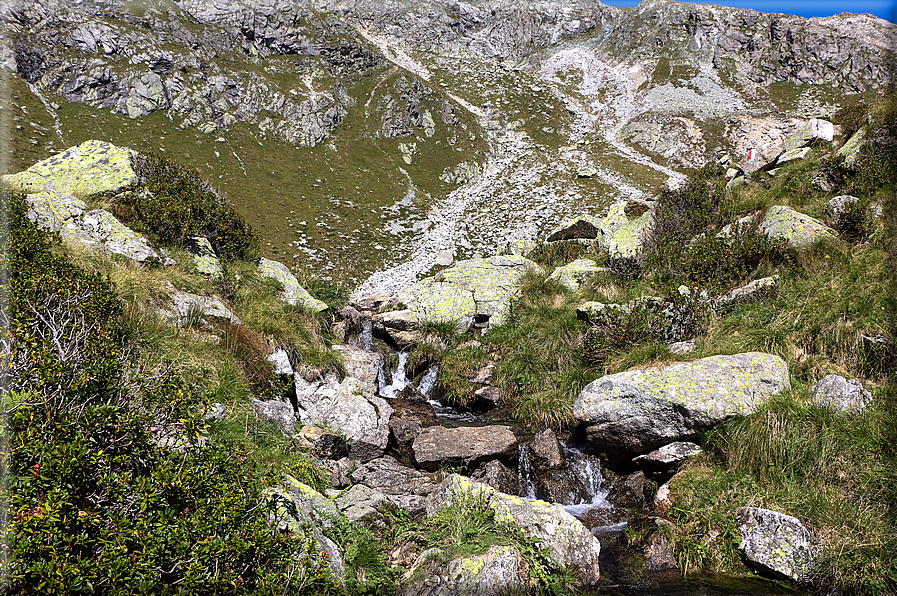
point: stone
(792, 155)
(637, 411)
(666, 458)
(683, 347)
(775, 543)
(485, 399)
(195, 309)
(347, 408)
(807, 134)
(515, 247)
(842, 205)
(281, 361)
(204, 258)
(298, 508)
(466, 447)
(659, 553)
(293, 293)
(361, 364)
(573, 275)
(91, 168)
(360, 504)
(850, 151)
(498, 476)
(476, 292)
(409, 417)
(499, 571)
(567, 540)
(624, 229)
(583, 226)
(404, 487)
(764, 287)
(629, 493)
(277, 413)
(324, 443)
(836, 392)
(795, 228)
(662, 500)
(214, 412)
(545, 452)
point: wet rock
(485, 399)
(545, 451)
(659, 553)
(409, 417)
(573, 275)
(775, 543)
(361, 364)
(639, 410)
(91, 168)
(474, 293)
(293, 293)
(404, 487)
(836, 392)
(348, 408)
(466, 447)
(629, 492)
(665, 459)
(567, 540)
(323, 443)
(277, 413)
(500, 570)
(498, 476)
(793, 227)
(198, 310)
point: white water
(399, 380)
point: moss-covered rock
(636, 411)
(795, 228)
(93, 167)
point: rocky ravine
(490, 121)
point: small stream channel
(585, 497)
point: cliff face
(460, 124)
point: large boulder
(498, 476)
(499, 571)
(91, 168)
(633, 412)
(806, 135)
(775, 543)
(293, 293)
(622, 231)
(836, 392)
(466, 447)
(472, 293)
(404, 487)
(580, 227)
(568, 541)
(850, 151)
(204, 258)
(346, 407)
(795, 228)
(277, 413)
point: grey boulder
(775, 543)
(467, 447)
(836, 392)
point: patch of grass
(456, 366)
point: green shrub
(176, 204)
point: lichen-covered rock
(476, 292)
(299, 508)
(792, 155)
(204, 258)
(499, 571)
(574, 274)
(91, 168)
(437, 446)
(293, 292)
(775, 543)
(348, 408)
(814, 129)
(195, 309)
(360, 504)
(754, 290)
(639, 410)
(850, 151)
(793, 227)
(622, 231)
(834, 391)
(278, 413)
(568, 541)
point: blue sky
(886, 9)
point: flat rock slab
(469, 447)
(568, 541)
(91, 168)
(775, 543)
(476, 291)
(793, 227)
(293, 293)
(639, 410)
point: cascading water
(526, 485)
(365, 339)
(390, 388)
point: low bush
(176, 204)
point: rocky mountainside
(377, 137)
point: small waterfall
(428, 381)
(365, 339)
(587, 469)
(399, 380)
(526, 485)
